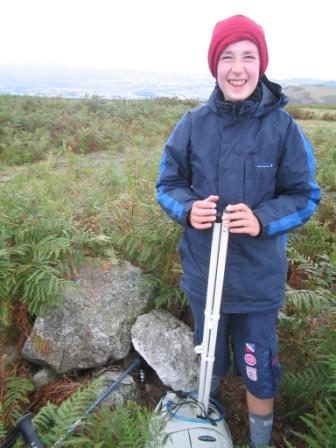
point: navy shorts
(254, 348)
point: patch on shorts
(250, 359)
(251, 373)
(249, 348)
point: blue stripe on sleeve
(299, 217)
(173, 208)
(293, 220)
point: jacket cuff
(260, 226)
(187, 212)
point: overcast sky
(170, 35)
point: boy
(241, 150)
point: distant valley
(132, 84)
(312, 94)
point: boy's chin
(234, 95)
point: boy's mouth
(237, 83)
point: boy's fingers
(212, 198)
(237, 216)
(204, 204)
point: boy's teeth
(237, 83)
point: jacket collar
(266, 97)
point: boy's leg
(260, 419)
(259, 406)
(255, 346)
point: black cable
(172, 408)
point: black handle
(24, 424)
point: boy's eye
(225, 57)
(250, 57)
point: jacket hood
(266, 97)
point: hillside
(311, 94)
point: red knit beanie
(234, 29)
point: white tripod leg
(212, 310)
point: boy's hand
(242, 220)
(203, 213)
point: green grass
(77, 178)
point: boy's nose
(237, 66)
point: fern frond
(127, 426)
(321, 271)
(40, 286)
(3, 429)
(301, 390)
(7, 268)
(51, 248)
(165, 294)
(58, 426)
(329, 361)
(14, 397)
(306, 302)
(316, 378)
(321, 426)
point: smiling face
(238, 70)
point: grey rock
(166, 344)
(43, 377)
(126, 390)
(9, 353)
(93, 325)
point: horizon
(59, 80)
(73, 68)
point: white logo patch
(252, 373)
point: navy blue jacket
(251, 152)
